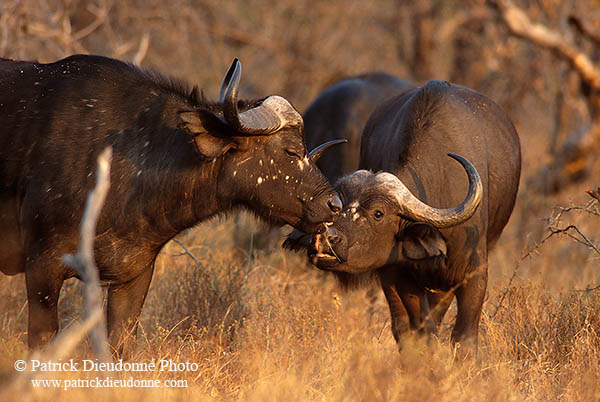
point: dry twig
(142, 49)
(83, 263)
(570, 160)
(520, 24)
(553, 227)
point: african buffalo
(178, 159)
(410, 225)
(341, 111)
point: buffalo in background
(341, 111)
(406, 221)
(178, 159)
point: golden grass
(273, 329)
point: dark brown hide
(341, 111)
(410, 136)
(178, 159)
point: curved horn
(316, 153)
(416, 210)
(234, 70)
(228, 94)
(262, 119)
(271, 115)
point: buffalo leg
(469, 300)
(372, 294)
(124, 306)
(415, 301)
(43, 290)
(439, 302)
(397, 311)
(427, 323)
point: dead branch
(83, 261)
(448, 28)
(588, 289)
(504, 293)
(591, 209)
(60, 347)
(519, 24)
(61, 30)
(142, 49)
(582, 209)
(187, 252)
(198, 265)
(7, 17)
(570, 162)
(571, 231)
(579, 237)
(247, 38)
(101, 14)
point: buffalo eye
(378, 214)
(291, 153)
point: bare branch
(587, 210)
(60, 347)
(591, 208)
(579, 237)
(8, 13)
(101, 14)
(188, 253)
(588, 289)
(142, 49)
(198, 265)
(83, 261)
(505, 292)
(519, 24)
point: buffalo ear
(208, 131)
(421, 240)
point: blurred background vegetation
(263, 324)
(296, 48)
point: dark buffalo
(341, 111)
(178, 159)
(410, 225)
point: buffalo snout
(331, 237)
(327, 248)
(325, 208)
(335, 205)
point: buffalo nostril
(332, 237)
(335, 204)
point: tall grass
(272, 329)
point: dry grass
(264, 326)
(273, 329)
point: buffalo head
(261, 158)
(384, 222)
